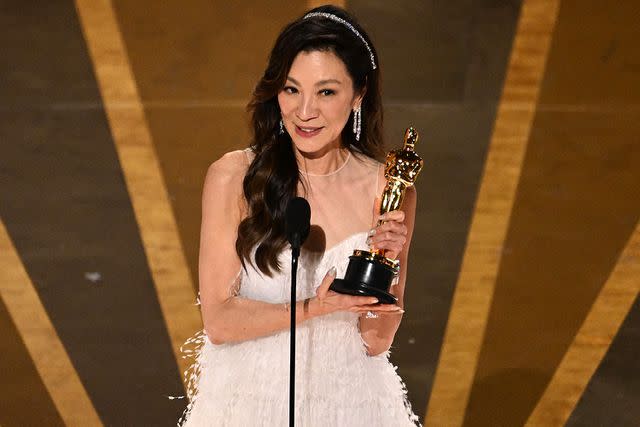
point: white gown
(337, 384)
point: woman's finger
(392, 253)
(382, 308)
(361, 301)
(392, 248)
(387, 236)
(326, 282)
(387, 240)
(381, 313)
(394, 242)
(397, 215)
(392, 226)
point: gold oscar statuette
(370, 273)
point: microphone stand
(295, 253)
(298, 215)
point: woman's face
(316, 101)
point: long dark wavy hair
(272, 178)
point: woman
(317, 123)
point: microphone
(297, 218)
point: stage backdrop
(522, 295)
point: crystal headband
(349, 26)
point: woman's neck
(323, 163)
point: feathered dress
(246, 383)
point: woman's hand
(329, 301)
(390, 233)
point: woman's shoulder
(225, 176)
(230, 165)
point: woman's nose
(307, 108)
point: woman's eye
(326, 92)
(290, 89)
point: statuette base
(368, 274)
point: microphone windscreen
(297, 220)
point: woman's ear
(359, 96)
(357, 101)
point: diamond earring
(357, 122)
(281, 127)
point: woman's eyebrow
(324, 82)
(320, 83)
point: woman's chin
(315, 149)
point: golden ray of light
(315, 3)
(41, 340)
(475, 286)
(142, 171)
(592, 340)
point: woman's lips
(307, 132)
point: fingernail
(368, 240)
(374, 300)
(372, 232)
(332, 271)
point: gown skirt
(246, 383)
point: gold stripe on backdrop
(141, 170)
(479, 269)
(315, 3)
(592, 340)
(41, 339)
